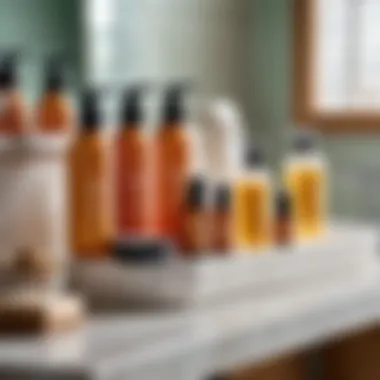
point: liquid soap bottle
(89, 178)
(13, 113)
(253, 206)
(306, 180)
(134, 185)
(54, 113)
(173, 146)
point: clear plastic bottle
(305, 176)
(253, 206)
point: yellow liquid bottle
(306, 180)
(253, 209)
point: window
(337, 64)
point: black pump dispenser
(132, 114)
(174, 110)
(254, 157)
(54, 74)
(8, 74)
(90, 117)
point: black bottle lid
(283, 204)
(90, 114)
(196, 193)
(54, 74)
(132, 114)
(222, 197)
(254, 157)
(305, 141)
(142, 250)
(8, 70)
(174, 109)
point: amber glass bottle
(195, 227)
(283, 224)
(13, 113)
(253, 208)
(221, 220)
(54, 113)
(305, 178)
(134, 185)
(91, 219)
(173, 155)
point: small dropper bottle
(195, 227)
(222, 220)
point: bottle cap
(8, 75)
(222, 197)
(90, 117)
(142, 251)
(132, 113)
(196, 193)
(254, 157)
(304, 141)
(283, 204)
(174, 109)
(54, 74)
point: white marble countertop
(189, 345)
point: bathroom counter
(176, 345)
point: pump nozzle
(91, 117)
(174, 110)
(8, 74)
(132, 113)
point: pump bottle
(133, 169)
(13, 113)
(89, 169)
(173, 159)
(54, 113)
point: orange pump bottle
(13, 114)
(53, 112)
(89, 169)
(173, 150)
(133, 170)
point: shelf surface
(174, 345)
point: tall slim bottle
(134, 185)
(253, 204)
(54, 113)
(90, 201)
(173, 149)
(305, 175)
(13, 112)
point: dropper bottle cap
(174, 109)
(222, 197)
(54, 74)
(305, 141)
(283, 204)
(132, 114)
(90, 116)
(8, 74)
(196, 193)
(254, 157)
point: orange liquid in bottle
(307, 186)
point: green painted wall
(355, 160)
(38, 27)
